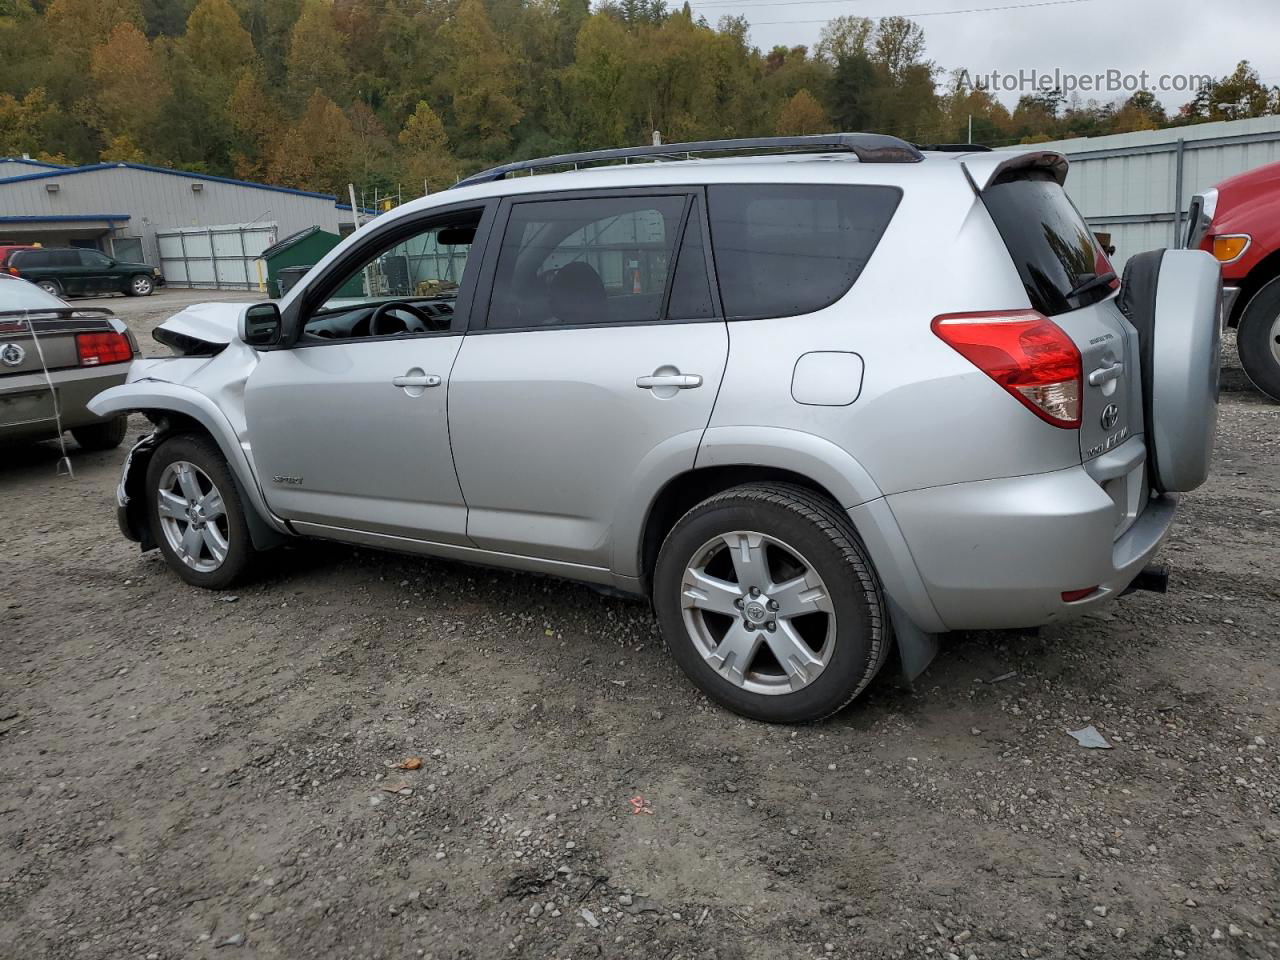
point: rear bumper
(26, 410)
(999, 554)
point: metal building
(1138, 186)
(202, 231)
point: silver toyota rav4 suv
(818, 399)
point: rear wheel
(195, 513)
(1258, 340)
(102, 436)
(51, 287)
(769, 603)
(141, 286)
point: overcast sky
(1159, 36)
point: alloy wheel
(193, 516)
(758, 612)
(1275, 339)
(141, 286)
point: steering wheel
(381, 317)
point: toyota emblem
(11, 354)
(1110, 416)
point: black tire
(819, 531)
(140, 285)
(102, 436)
(1258, 340)
(204, 454)
(51, 287)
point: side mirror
(261, 325)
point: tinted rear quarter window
(29, 259)
(1050, 243)
(786, 249)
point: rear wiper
(1093, 283)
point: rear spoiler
(987, 169)
(54, 319)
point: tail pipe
(1153, 579)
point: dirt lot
(183, 771)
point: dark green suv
(73, 272)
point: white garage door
(223, 257)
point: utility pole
(355, 210)
(970, 128)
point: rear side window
(1051, 245)
(787, 249)
(29, 259)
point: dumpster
(296, 254)
(287, 277)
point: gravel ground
(183, 771)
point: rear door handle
(681, 381)
(416, 380)
(1106, 374)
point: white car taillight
(1027, 354)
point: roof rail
(952, 148)
(867, 147)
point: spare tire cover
(1173, 298)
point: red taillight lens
(96, 349)
(1027, 354)
(13, 271)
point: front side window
(91, 258)
(588, 261)
(408, 287)
(786, 249)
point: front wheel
(195, 512)
(769, 603)
(1258, 340)
(141, 286)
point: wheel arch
(176, 410)
(1264, 271)
(683, 492)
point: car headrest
(577, 295)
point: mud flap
(916, 649)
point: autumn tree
(315, 60)
(480, 79)
(425, 149)
(845, 37)
(217, 42)
(316, 151)
(255, 122)
(1142, 111)
(22, 122)
(802, 115)
(1236, 97)
(77, 26)
(121, 68)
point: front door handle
(416, 380)
(680, 381)
(1106, 374)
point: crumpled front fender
(157, 397)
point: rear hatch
(1069, 279)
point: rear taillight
(96, 349)
(13, 271)
(1027, 354)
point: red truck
(1238, 221)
